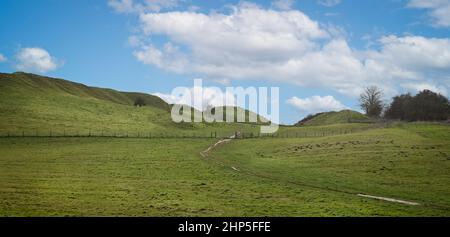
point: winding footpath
(204, 154)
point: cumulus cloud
(283, 4)
(439, 10)
(329, 3)
(2, 58)
(316, 104)
(122, 6)
(414, 53)
(35, 60)
(131, 6)
(251, 42)
(168, 58)
(426, 86)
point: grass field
(277, 177)
(407, 161)
(314, 170)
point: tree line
(425, 106)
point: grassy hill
(300, 171)
(23, 81)
(33, 104)
(327, 118)
(237, 110)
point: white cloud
(2, 58)
(283, 4)
(131, 6)
(329, 3)
(439, 10)
(414, 53)
(316, 104)
(122, 6)
(35, 60)
(212, 97)
(168, 58)
(255, 43)
(426, 86)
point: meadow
(271, 176)
(67, 149)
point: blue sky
(321, 53)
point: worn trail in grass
(142, 177)
(407, 162)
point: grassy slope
(35, 104)
(344, 116)
(103, 176)
(141, 177)
(409, 161)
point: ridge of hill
(327, 118)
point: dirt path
(390, 199)
(204, 154)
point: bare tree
(371, 101)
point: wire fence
(282, 133)
(94, 134)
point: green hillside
(237, 110)
(33, 104)
(327, 118)
(300, 171)
(23, 81)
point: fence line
(147, 135)
(186, 135)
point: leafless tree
(371, 101)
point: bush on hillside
(139, 101)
